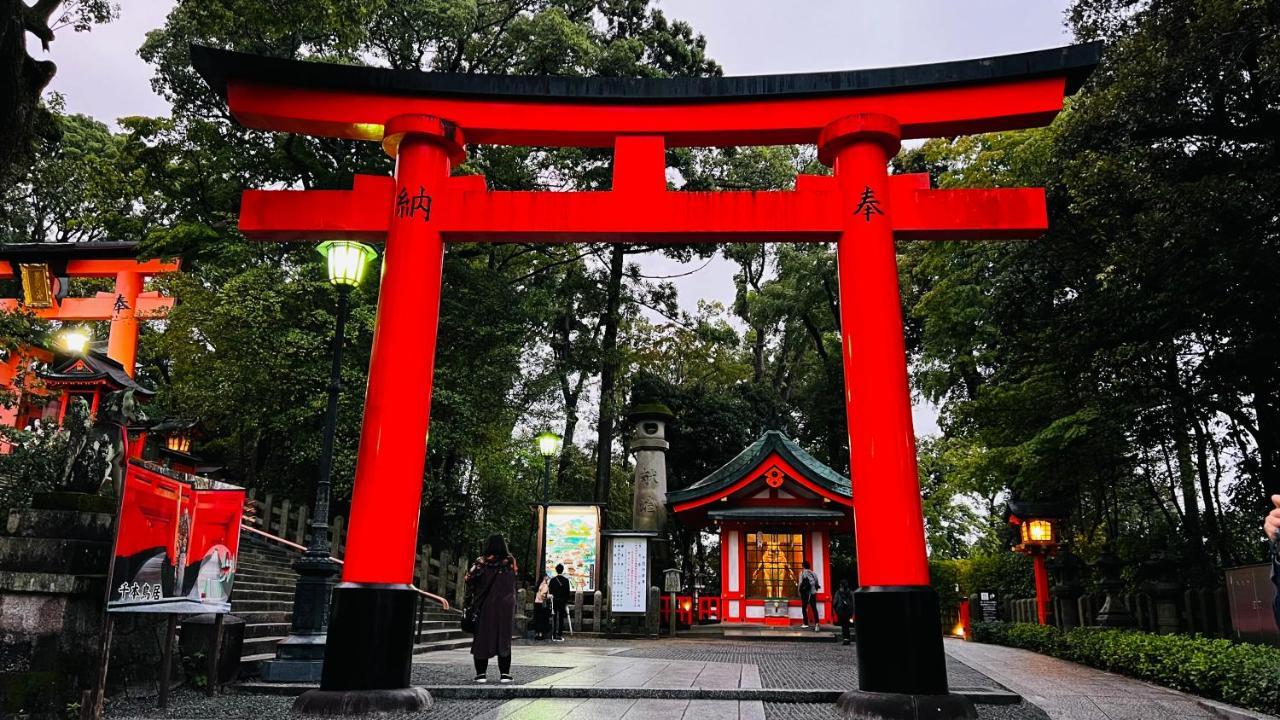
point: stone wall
(53, 565)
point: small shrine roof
(93, 368)
(750, 459)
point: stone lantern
(649, 445)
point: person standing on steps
(809, 588)
(492, 581)
(843, 606)
(559, 590)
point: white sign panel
(629, 575)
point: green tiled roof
(777, 513)
(750, 458)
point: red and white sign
(176, 543)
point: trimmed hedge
(1238, 673)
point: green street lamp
(549, 445)
(300, 657)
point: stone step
(257, 618)
(267, 578)
(251, 665)
(250, 561)
(252, 606)
(239, 593)
(260, 645)
(65, 524)
(438, 624)
(436, 634)
(439, 645)
(51, 555)
(252, 585)
(257, 630)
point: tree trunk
(608, 376)
(1268, 437)
(1211, 526)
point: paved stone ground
(653, 665)
(1069, 691)
(792, 665)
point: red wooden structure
(857, 120)
(54, 264)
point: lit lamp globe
(549, 444)
(75, 341)
(347, 261)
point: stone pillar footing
(859, 705)
(362, 702)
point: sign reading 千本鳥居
(629, 575)
(176, 543)
(572, 535)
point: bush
(1238, 673)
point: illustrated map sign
(573, 538)
(629, 575)
(176, 543)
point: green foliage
(1238, 673)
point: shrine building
(775, 507)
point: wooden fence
(1191, 611)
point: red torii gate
(857, 119)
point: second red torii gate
(857, 119)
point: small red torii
(857, 119)
(51, 265)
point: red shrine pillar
(899, 628)
(370, 638)
(122, 344)
(1043, 598)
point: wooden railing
(440, 576)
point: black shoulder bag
(472, 610)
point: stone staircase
(263, 597)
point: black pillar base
(362, 702)
(858, 705)
(370, 642)
(899, 640)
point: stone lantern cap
(650, 411)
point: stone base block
(859, 705)
(362, 702)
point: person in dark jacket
(1271, 526)
(492, 583)
(559, 590)
(843, 605)
(809, 587)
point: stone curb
(1231, 712)
(980, 696)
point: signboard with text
(629, 575)
(176, 543)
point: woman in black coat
(492, 581)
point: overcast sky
(100, 74)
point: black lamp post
(548, 446)
(300, 657)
